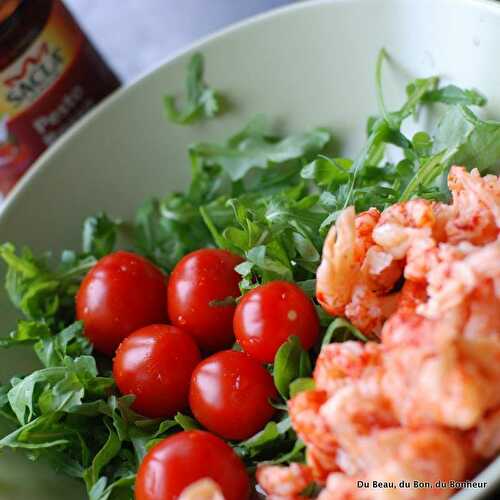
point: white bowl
(306, 65)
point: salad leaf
(166, 230)
(27, 332)
(39, 434)
(235, 198)
(328, 172)
(291, 362)
(267, 435)
(451, 94)
(461, 138)
(301, 384)
(109, 451)
(374, 181)
(340, 330)
(202, 100)
(53, 349)
(40, 292)
(186, 422)
(469, 141)
(278, 234)
(382, 132)
(100, 490)
(237, 158)
(276, 443)
(99, 235)
(21, 395)
(64, 386)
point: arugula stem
(216, 235)
(82, 268)
(377, 136)
(427, 173)
(382, 56)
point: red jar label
(56, 80)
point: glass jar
(50, 75)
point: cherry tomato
(269, 314)
(229, 395)
(120, 294)
(184, 458)
(155, 364)
(200, 286)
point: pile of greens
(269, 199)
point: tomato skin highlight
(269, 314)
(199, 279)
(186, 457)
(229, 395)
(121, 293)
(155, 364)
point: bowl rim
(9, 204)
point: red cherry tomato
(155, 364)
(120, 294)
(197, 289)
(229, 395)
(269, 314)
(184, 458)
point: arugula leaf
(372, 181)
(276, 443)
(340, 330)
(76, 433)
(63, 384)
(40, 292)
(109, 451)
(433, 168)
(39, 434)
(461, 138)
(202, 100)
(451, 94)
(422, 144)
(271, 431)
(186, 422)
(300, 385)
(237, 159)
(270, 260)
(291, 362)
(22, 392)
(27, 332)
(308, 287)
(384, 131)
(100, 490)
(165, 231)
(416, 91)
(52, 350)
(296, 454)
(328, 172)
(29, 284)
(236, 206)
(99, 235)
(80, 377)
(469, 141)
(379, 137)
(166, 425)
(263, 437)
(278, 234)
